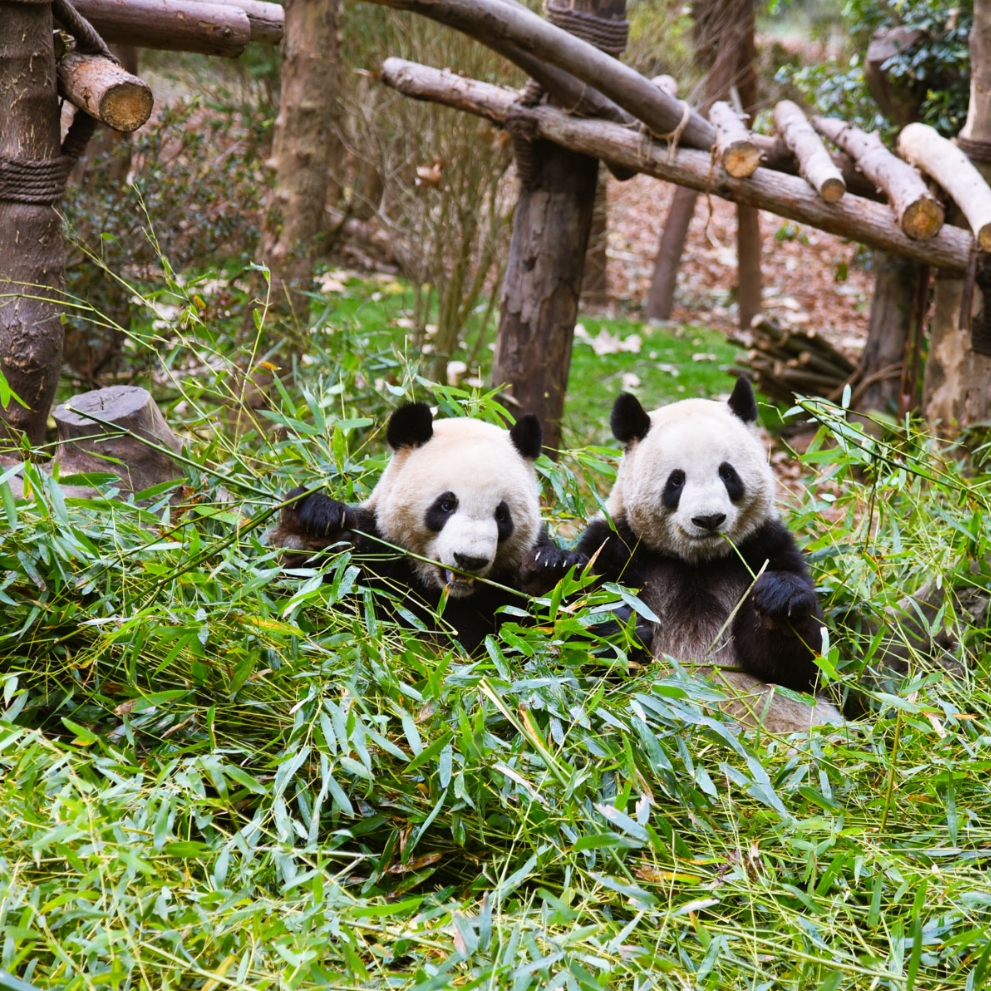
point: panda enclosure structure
(583, 106)
(861, 191)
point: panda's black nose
(713, 522)
(469, 563)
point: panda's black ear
(742, 402)
(411, 425)
(629, 420)
(527, 436)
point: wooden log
(814, 162)
(778, 156)
(125, 416)
(172, 25)
(496, 21)
(267, 20)
(738, 155)
(853, 217)
(105, 91)
(925, 148)
(916, 209)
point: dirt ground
(810, 278)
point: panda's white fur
(478, 464)
(697, 437)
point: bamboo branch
(952, 169)
(854, 217)
(917, 211)
(105, 91)
(736, 152)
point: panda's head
(460, 492)
(694, 478)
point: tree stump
(88, 427)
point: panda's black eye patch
(732, 481)
(504, 521)
(672, 489)
(441, 509)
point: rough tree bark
(32, 250)
(543, 280)
(955, 387)
(306, 139)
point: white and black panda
(691, 522)
(460, 494)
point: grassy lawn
(217, 775)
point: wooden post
(955, 390)
(542, 284)
(32, 249)
(749, 278)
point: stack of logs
(783, 361)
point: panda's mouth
(456, 584)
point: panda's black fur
(755, 584)
(438, 470)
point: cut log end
(127, 106)
(832, 189)
(741, 159)
(922, 219)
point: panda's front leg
(310, 523)
(778, 631)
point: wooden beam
(926, 148)
(814, 162)
(105, 91)
(498, 21)
(916, 209)
(220, 27)
(854, 217)
(737, 154)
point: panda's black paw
(543, 567)
(310, 523)
(781, 595)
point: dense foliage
(932, 75)
(219, 774)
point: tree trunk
(749, 287)
(543, 280)
(32, 248)
(718, 46)
(595, 288)
(892, 309)
(955, 388)
(305, 141)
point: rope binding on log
(42, 182)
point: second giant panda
(459, 494)
(691, 522)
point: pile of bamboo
(783, 361)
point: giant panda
(691, 522)
(460, 496)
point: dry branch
(814, 162)
(916, 209)
(735, 150)
(174, 25)
(952, 169)
(105, 91)
(495, 22)
(854, 217)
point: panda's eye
(504, 521)
(672, 489)
(440, 510)
(732, 481)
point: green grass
(216, 775)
